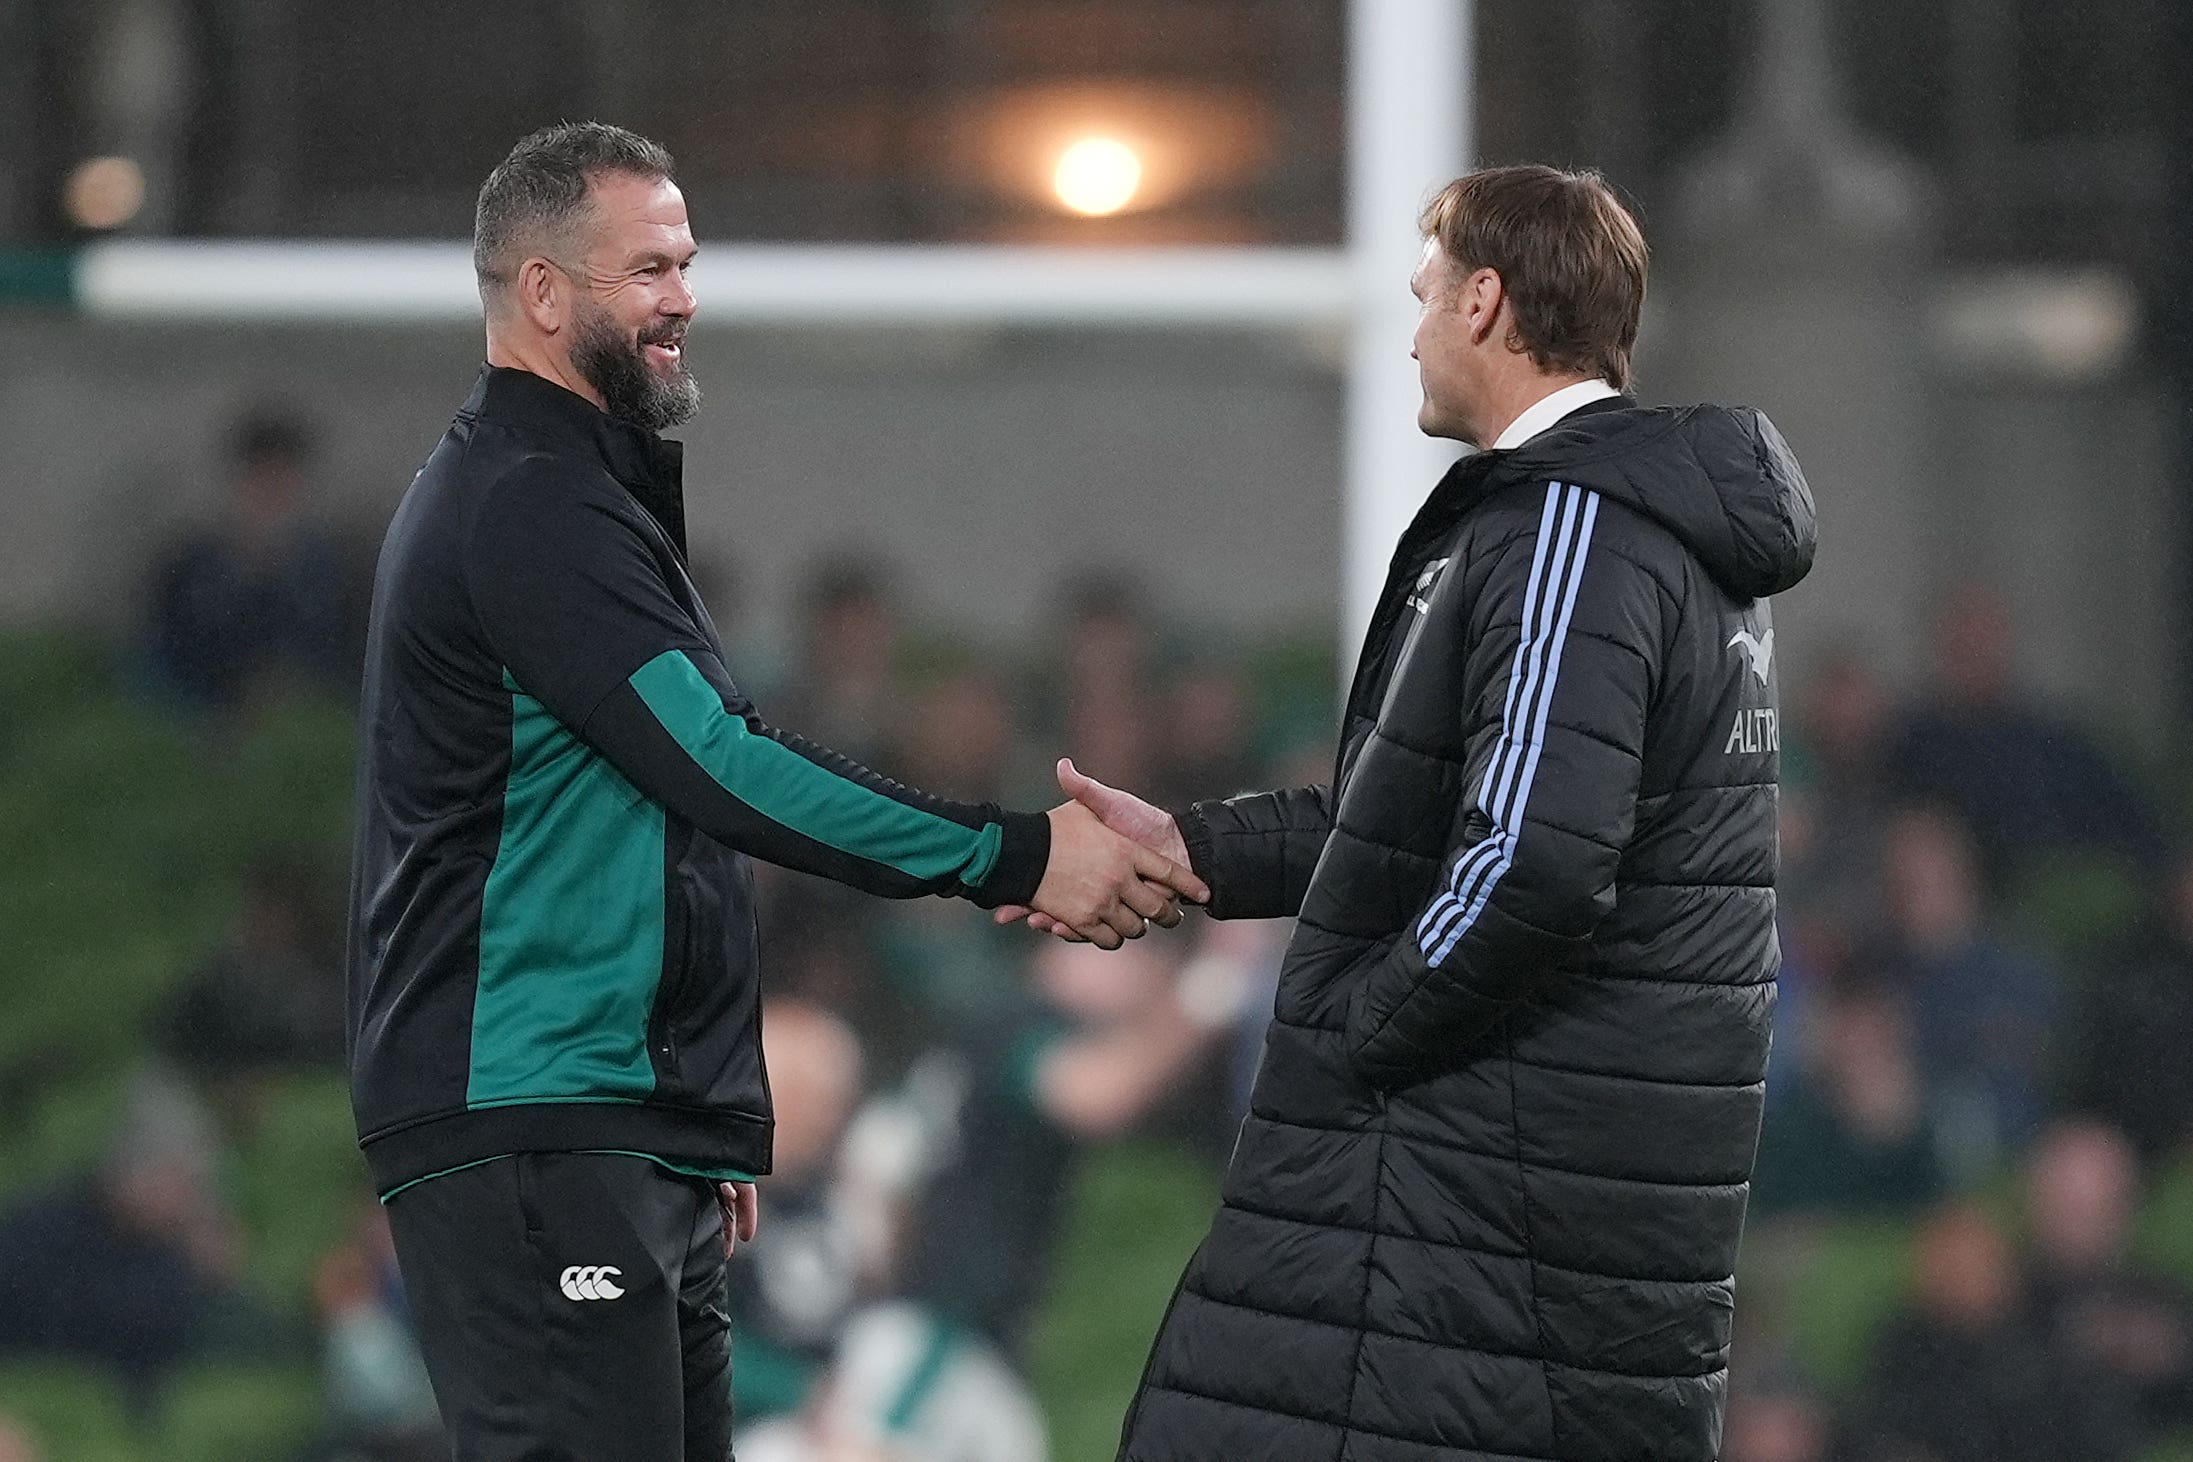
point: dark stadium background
(1945, 243)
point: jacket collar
(1551, 408)
(648, 467)
(1477, 474)
(1468, 482)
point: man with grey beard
(554, 1007)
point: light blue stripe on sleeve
(1549, 606)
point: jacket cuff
(1023, 854)
(1202, 853)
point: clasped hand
(1117, 866)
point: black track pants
(571, 1309)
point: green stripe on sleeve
(793, 792)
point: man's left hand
(741, 1206)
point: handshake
(1118, 865)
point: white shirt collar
(1549, 410)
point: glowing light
(1097, 175)
(105, 192)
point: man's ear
(1483, 296)
(540, 293)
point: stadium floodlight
(1097, 176)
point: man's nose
(682, 300)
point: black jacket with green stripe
(551, 920)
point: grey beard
(614, 364)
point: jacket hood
(1721, 478)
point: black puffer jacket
(1487, 1202)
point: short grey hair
(538, 194)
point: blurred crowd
(937, 1077)
(1987, 994)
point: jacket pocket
(679, 956)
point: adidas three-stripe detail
(1549, 603)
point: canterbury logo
(591, 1282)
(1759, 651)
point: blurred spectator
(1985, 1014)
(240, 607)
(1252, 950)
(844, 1378)
(1106, 674)
(949, 973)
(380, 1404)
(2082, 1190)
(1777, 1420)
(960, 737)
(1799, 987)
(1964, 1376)
(2135, 1026)
(899, 971)
(149, 1252)
(909, 1387)
(819, 943)
(1209, 741)
(1111, 1035)
(793, 1287)
(1835, 810)
(844, 690)
(1836, 807)
(1852, 1134)
(2028, 783)
(269, 1000)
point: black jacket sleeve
(571, 593)
(1257, 851)
(1564, 651)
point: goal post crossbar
(812, 284)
